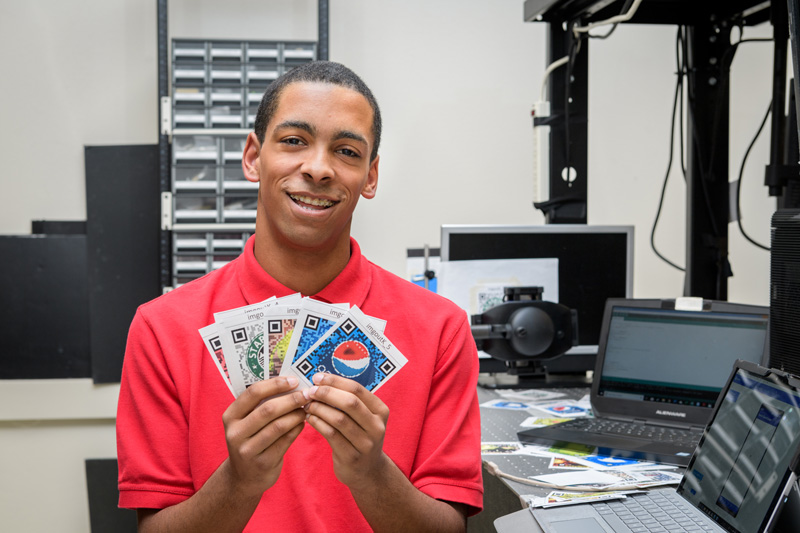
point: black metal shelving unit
(208, 91)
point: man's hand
(353, 421)
(260, 426)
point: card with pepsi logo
(354, 348)
(314, 321)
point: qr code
(489, 297)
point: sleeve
(153, 471)
(449, 459)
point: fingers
(263, 414)
(344, 406)
(258, 392)
(254, 439)
(326, 385)
(260, 426)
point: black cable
(725, 62)
(739, 183)
(680, 61)
(678, 85)
(605, 35)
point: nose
(317, 165)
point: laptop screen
(742, 464)
(676, 357)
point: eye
(349, 153)
(292, 141)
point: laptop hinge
(618, 418)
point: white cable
(613, 20)
(585, 29)
(495, 470)
(554, 65)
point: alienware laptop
(658, 373)
(739, 477)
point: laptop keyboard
(663, 511)
(682, 437)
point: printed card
(223, 316)
(498, 403)
(279, 323)
(213, 344)
(355, 349)
(314, 321)
(500, 448)
(243, 348)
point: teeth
(311, 201)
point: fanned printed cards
(299, 336)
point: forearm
(391, 503)
(219, 506)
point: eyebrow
(299, 124)
(347, 134)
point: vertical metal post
(165, 248)
(322, 30)
(568, 129)
(775, 178)
(707, 209)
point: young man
(332, 457)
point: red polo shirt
(170, 437)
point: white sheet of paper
(585, 477)
(478, 285)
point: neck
(303, 270)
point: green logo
(255, 356)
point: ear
(371, 186)
(251, 164)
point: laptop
(658, 374)
(738, 479)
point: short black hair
(317, 72)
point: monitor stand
(545, 381)
(534, 374)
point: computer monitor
(594, 263)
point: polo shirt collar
(350, 286)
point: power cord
(739, 182)
(495, 471)
(678, 95)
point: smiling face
(312, 167)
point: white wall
(455, 79)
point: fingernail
(292, 381)
(318, 377)
(312, 391)
(306, 394)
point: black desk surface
(503, 498)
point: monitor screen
(594, 262)
(675, 356)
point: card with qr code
(243, 348)
(213, 344)
(313, 322)
(355, 349)
(279, 324)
